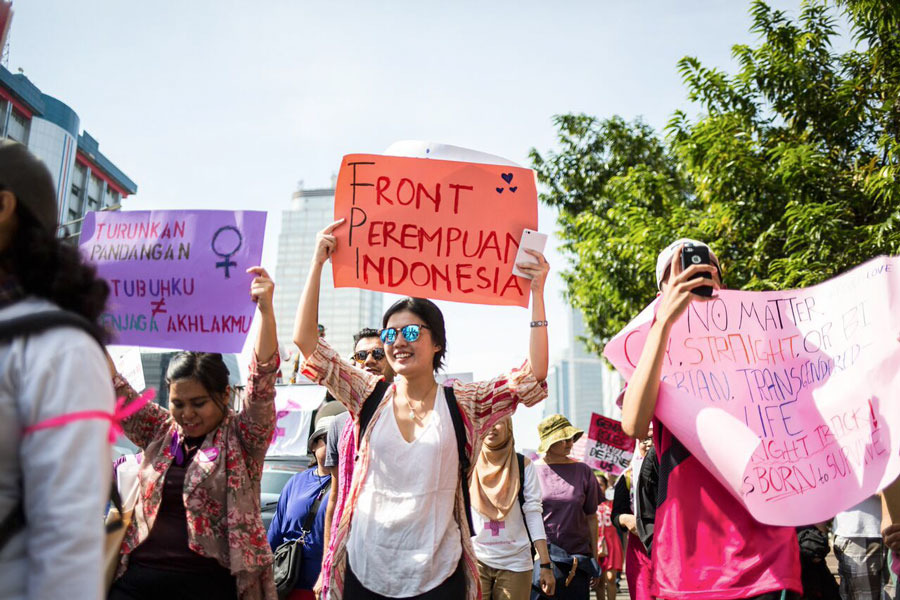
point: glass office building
(85, 179)
(343, 311)
(580, 383)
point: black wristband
(547, 566)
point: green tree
(790, 171)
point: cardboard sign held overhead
(177, 278)
(790, 398)
(430, 228)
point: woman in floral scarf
(197, 530)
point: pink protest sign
(177, 278)
(609, 448)
(791, 399)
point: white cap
(665, 257)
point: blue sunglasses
(410, 333)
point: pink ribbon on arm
(121, 412)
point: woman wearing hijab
(507, 515)
(570, 495)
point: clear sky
(226, 104)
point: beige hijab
(495, 484)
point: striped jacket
(481, 404)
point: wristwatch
(547, 566)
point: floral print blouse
(221, 486)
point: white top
(504, 544)
(863, 520)
(64, 472)
(403, 538)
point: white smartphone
(531, 240)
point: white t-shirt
(504, 544)
(863, 520)
(403, 538)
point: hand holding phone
(531, 240)
(697, 255)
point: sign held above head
(177, 278)
(439, 229)
(791, 399)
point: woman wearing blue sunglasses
(404, 532)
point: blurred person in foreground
(55, 480)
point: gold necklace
(412, 413)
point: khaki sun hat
(556, 428)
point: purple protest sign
(177, 277)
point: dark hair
(604, 478)
(434, 319)
(365, 332)
(45, 266)
(207, 368)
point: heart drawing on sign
(499, 190)
(507, 177)
(513, 189)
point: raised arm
(306, 332)
(639, 403)
(262, 290)
(537, 349)
(256, 421)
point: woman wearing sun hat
(571, 495)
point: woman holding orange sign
(405, 530)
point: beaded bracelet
(539, 323)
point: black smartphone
(697, 255)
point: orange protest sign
(437, 229)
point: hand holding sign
(326, 242)
(262, 288)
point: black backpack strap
(464, 464)
(22, 326)
(12, 524)
(42, 321)
(369, 406)
(314, 509)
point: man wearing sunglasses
(368, 354)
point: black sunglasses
(360, 356)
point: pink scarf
(346, 462)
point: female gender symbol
(227, 263)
